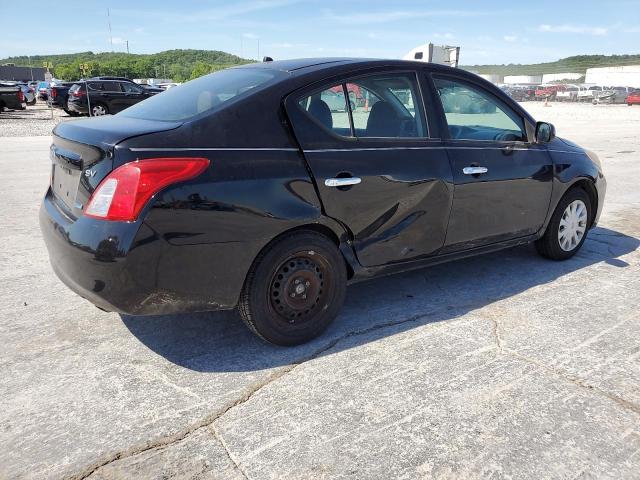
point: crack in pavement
(626, 404)
(236, 464)
(209, 420)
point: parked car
(548, 92)
(243, 189)
(58, 96)
(106, 95)
(41, 90)
(634, 98)
(588, 92)
(568, 94)
(29, 93)
(612, 95)
(12, 98)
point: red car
(633, 98)
(548, 91)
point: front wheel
(568, 227)
(294, 289)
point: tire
(99, 109)
(550, 245)
(294, 289)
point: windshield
(200, 95)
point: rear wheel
(568, 227)
(294, 289)
(99, 109)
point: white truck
(440, 54)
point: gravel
(37, 120)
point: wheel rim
(573, 225)
(98, 110)
(299, 288)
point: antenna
(110, 34)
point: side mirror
(545, 132)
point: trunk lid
(82, 155)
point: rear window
(200, 95)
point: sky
(487, 31)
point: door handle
(474, 170)
(342, 182)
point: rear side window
(328, 108)
(474, 114)
(375, 106)
(200, 95)
(111, 87)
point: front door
(502, 183)
(366, 141)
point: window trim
(498, 100)
(343, 80)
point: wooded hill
(576, 64)
(182, 65)
(179, 65)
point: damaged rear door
(377, 169)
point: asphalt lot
(502, 366)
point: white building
(491, 77)
(558, 77)
(523, 79)
(626, 76)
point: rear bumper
(128, 268)
(77, 107)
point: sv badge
(89, 173)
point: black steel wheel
(295, 289)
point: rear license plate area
(65, 184)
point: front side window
(474, 114)
(130, 88)
(376, 106)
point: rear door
(377, 169)
(131, 94)
(502, 183)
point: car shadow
(219, 342)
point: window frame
(343, 80)
(476, 86)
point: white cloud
(395, 15)
(251, 36)
(510, 38)
(117, 40)
(570, 28)
(447, 35)
(232, 9)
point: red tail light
(20, 96)
(54, 92)
(123, 193)
(78, 93)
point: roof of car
(304, 65)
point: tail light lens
(78, 93)
(20, 96)
(54, 92)
(123, 193)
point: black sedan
(245, 189)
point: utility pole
(30, 67)
(127, 46)
(110, 33)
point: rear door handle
(342, 182)
(474, 170)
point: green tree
(200, 69)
